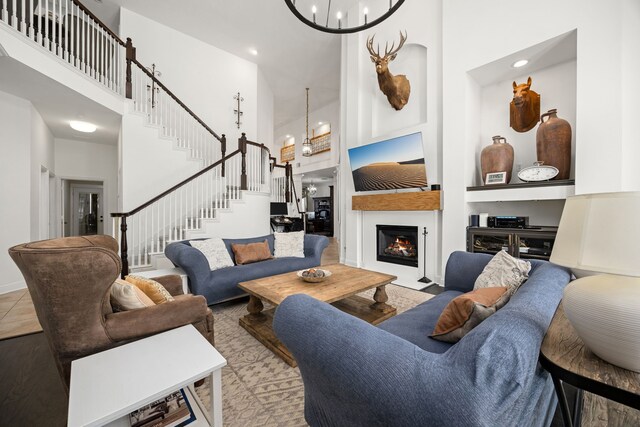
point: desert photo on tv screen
(387, 165)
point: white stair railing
(71, 32)
(170, 216)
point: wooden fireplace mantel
(414, 201)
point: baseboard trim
(14, 286)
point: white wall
(329, 115)
(367, 117)
(15, 175)
(265, 114)
(604, 131)
(86, 161)
(150, 164)
(42, 149)
(204, 77)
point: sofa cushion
(289, 244)
(215, 251)
(467, 311)
(504, 270)
(251, 252)
(415, 325)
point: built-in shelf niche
(552, 66)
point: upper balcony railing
(71, 32)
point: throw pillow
(466, 311)
(215, 251)
(289, 244)
(251, 252)
(504, 270)
(151, 288)
(125, 296)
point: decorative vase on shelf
(553, 143)
(497, 157)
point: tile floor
(17, 314)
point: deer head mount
(524, 110)
(396, 88)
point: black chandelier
(333, 22)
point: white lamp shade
(599, 233)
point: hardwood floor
(331, 254)
(31, 391)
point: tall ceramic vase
(497, 157)
(553, 143)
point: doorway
(83, 208)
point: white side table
(107, 386)
(150, 274)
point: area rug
(258, 388)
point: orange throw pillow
(151, 288)
(251, 252)
(467, 311)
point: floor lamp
(425, 279)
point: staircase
(196, 206)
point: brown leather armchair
(69, 280)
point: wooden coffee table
(339, 290)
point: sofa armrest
(172, 283)
(133, 324)
(314, 245)
(355, 373)
(192, 261)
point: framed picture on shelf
(496, 178)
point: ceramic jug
(497, 157)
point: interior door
(87, 210)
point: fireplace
(397, 244)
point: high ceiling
(291, 55)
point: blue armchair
(357, 374)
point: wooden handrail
(98, 21)
(175, 98)
(256, 144)
(174, 188)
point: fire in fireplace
(397, 244)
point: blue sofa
(357, 374)
(222, 284)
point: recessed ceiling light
(83, 126)
(520, 63)
(253, 51)
(320, 123)
(287, 136)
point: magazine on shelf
(173, 410)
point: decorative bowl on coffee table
(313, 275)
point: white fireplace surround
(367, 245)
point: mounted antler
(397, 88)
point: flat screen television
(389, 165)
(279, 208)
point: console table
(107, 386)
(567, 359)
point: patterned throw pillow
(467, 311)
(504, 270)
(289, 245)
(214, 251)
(151, 288)
(125, 296)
